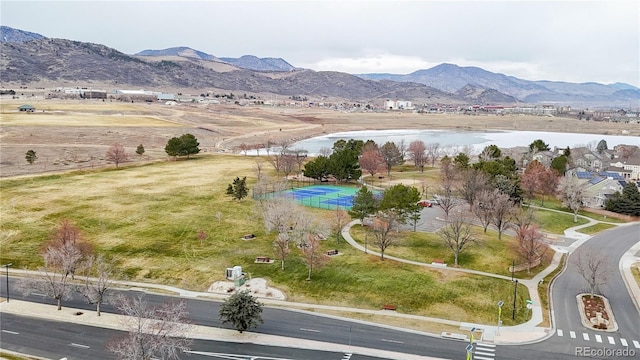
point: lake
(454, 139)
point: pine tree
(238, 189)
(31, 156)
(242, 310)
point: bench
(248, 236)
(332, 252)
(389, 307)
(262, 259)
(438, 262)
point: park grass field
(487, 254)
(146, 218)
(73, 120)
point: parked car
(425, 203)
(434, 201)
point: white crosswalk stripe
(598, 338)
(484, 351)
(347, 356)
(611, 340)
(624, 342)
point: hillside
(453, 78)
(73, 63)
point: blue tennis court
(323, 196)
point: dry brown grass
(72, 129)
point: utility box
(234, 272)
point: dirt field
(75, 134)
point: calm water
(455, 139)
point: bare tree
(325, 151)
(482, 209)
(417, 154)
(371, 161)
(312, 256)
(153, 331)
(501, 208)
(71, 247)
(592, 266)
(382, 228)
(571, 193)
(53, 280)
(531, 245)
(244, 148)
(340, 219)
(448, 175)
(116, 154)
(457, 234)
(281, 247)
(258, 167)
(279, 214)
(433, 152)
(472, 184)
(97, 281)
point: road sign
(530, 302)
(500, 303)
(529, 306)
(469, 348)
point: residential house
(26, 108)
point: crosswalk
(484, 351)
(600, 339)
(347, 356)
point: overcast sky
(576, 41)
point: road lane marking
(233, 356)
(347, 356)
(483, 353)
(393, 341)
(484, 349)
(487, 345)
(585, 336)
(483, 358)
(624, 342)
(310, 330)
(10, 332)
(636, 344)
(38, 294)
(80, 346)
(572, 334)
(560, 333)
(598, 338)
(612, 341)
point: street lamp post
(365, 242)
(515, 294)
(6, 266)
(500, 303)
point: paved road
(570, 332)
(53, 339)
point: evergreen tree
(242, 310)
(402, 199)
(627, 202)
(238, 189)
(31, 156)
(364, 203)
(140, 150)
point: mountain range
(30, 58)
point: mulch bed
(593, 305)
